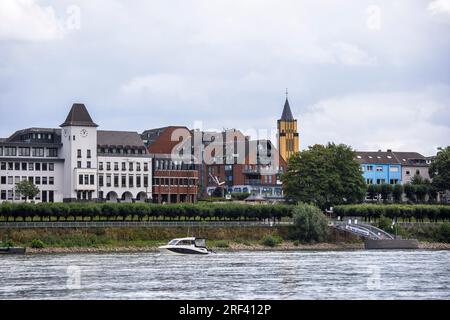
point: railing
(138, 224)
(363, 230)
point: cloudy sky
(371, 74)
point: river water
(230, 275)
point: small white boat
(186, 246)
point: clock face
(84, 133)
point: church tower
(288, 138)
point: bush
(310, 224)
(222, 244)
(443, 233)
(270, 241)
(37, 244)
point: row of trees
(142, 211)
(329, 175)
(419, 212)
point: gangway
(363, 230)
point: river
(230, 275)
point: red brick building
(175, 178)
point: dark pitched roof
(287, 113)
(79, 116)
(388, 157)
(119, 138)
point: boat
(186, 246)
(12, 250)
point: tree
(27, 189)
(440, 170)
(397, 193)
(325, 176)
(372, 191)
(386, 191)
(310, 224)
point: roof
(161, 140)
(287, 113)
(255, 197)
(389, 157)
(119, 138)
(79, 116)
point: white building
(76, 163)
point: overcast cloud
(371, 74)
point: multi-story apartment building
(175, 177)
(391, 167)
(71, 163)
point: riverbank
(285, 246)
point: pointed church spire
(287, 113)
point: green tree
(440, 170)
(325, 176)
(310, 224)
(27, 189)
(372, 191)
(386, 191)
(397, 193)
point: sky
(370, 74)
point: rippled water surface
(234, 275)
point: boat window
(200, 243)
(185, 243)
(173, 242)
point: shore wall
(391, 244)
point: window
(138, 181)
(116, 180)
(138, 166)
(10, 165)
(88, 164)
(145, 166)
(369, 168)
(24, 166)
(379, 169)
(408, 172)
(130, 166)
(116, 166)
(393, 169)
(38, 152)
(86, 179)
(130, 181)
(88, 153)
(108, 166)
(418, 171)
(37, 166)
(44, 167)
(37, 180)
(393, 181)
(51, 167)
(78, 153)
(3, 195)
(10, 180)
(78, 164)
(381, 181)
(17, 166)
(369, 181)
(124, 181)
(52, 152)
(44, 180)
(100, 166)
(100, 180)
(2, 180)
(10, 151)
(124, 166)
(108, 181)
(31, 166)
(3, 166)
(92, 179)
(145, 181)
(51, 180)
(80, 179)
(24, 152)
(1, 151)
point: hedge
(141, 211)
(404, 212)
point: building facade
(390, 167)
(71, 163)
